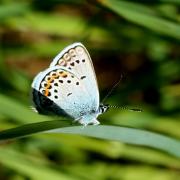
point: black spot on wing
(82, 77)
(72, 64)
(49, 94)
(69, 94)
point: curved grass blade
(127, 135)
(143, 16)
(115, 133)
(32, 128)
(32, 167)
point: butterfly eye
(72, 52)
(66, 57)
(79, 50)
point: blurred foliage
(137, 39)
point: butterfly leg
(84, 123)
(77, 119)
(81, 121)
(95, 122)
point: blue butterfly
(69, 87)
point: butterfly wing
(77, 59)
(59, 91)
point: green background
(136, 40)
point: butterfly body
(69, 87)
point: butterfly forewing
(77, 59)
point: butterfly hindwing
(59, 90)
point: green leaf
(115, 133)
(14, 9)
(127, 135)
(32, 128)
(33, 167)
(170, 1)
(63, 24)
(144, 16)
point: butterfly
(69, 87)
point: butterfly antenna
(112, 89)
(125, 108)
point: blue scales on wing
(57, 90)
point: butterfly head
(103, 108)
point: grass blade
(143, 16)
(115, 133)
(33, 167)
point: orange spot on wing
(46, 92)
(64, 74)
(49, 84)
